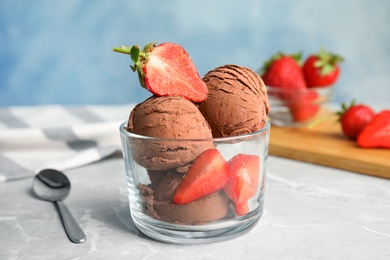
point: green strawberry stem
(136, 55)
(123, 49)
(327, 61)
(345, 107)
(140, 58)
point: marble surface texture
(311, 212)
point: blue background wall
(61, 51)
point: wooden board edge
(331, 161)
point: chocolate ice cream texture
(237, 102)
(174, 118)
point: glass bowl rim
(126, 133)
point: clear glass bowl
(156, 166)
(292, 108)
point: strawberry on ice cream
(166, 69)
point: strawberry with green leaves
(208, 174)
(243, 181)
(377, 133)
(322, 69)
(284, 71)
(354, 118)
(166, 69)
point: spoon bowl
(54, 186)
(51, 185)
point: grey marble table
(311, 212)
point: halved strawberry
(376, 133)
(208, 174)
(241, 209)
(303, 105)
(244, 178)
(166, 69)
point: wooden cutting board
(325, 144)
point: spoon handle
(72, 228)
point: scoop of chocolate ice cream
(173, 118)
(237, 102)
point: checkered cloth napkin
(58, 137)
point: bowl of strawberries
(299, 93)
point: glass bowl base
(197, 234)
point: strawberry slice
(377, 132)
(241, 209)
(303, 105)
(244, 178)
(166, 69)
(208, 174)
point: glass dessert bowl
(169, 204)
(293, 108)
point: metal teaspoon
(53, 185)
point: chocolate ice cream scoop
(237, 102)
(172, 118)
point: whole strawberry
(354, 118)
(284, 71)
(322, 69)
(166, 69)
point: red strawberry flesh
(208, 174)
(170, 71)
(244, 178)
(241, 209)
(303, 105)
(377, 132)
